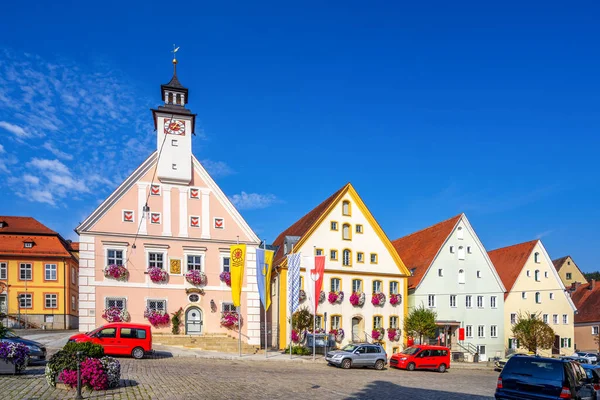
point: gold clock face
(174, 127)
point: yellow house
(568, 271)
(359, 259)
(534, 287)
(38, 275)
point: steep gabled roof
(587, 302)
(558, 263)
(418, 250)
(24, 225)
(300, 227)
(44, 246)
(510, 260)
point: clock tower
(174, 125)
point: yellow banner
(237, 263)
(268, 265)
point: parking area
(199, 378)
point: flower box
(158, 275)
(7, 367)
(225, 277)
(115, 314)
(230, 319)
(14, 357)
(395, 299)
(117, 272)
(378, 299)
(196, 277)
(336, 297)
(157, 318)
(357, 299)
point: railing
(468, 347)
(368, 338)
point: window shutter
(510, 343)
(569, 342)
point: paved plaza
(200, 378)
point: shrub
(112, 367)
(299, 350)
(176, 321)
(88, 349)
(66, 359)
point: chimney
(592, 284)
(575, 286)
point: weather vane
(175, 49)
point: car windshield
(92, 333)
(349, 347)
(538, 368)
(9, 334)
(410, 351)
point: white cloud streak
(217, 168)
(253, 201)
(14, 129)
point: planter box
(7, 368)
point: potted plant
(378, 299)
(115, 314)
(157, 318)
(195, 277)
(393, 334)
(230, 319)
(357, 299)
(377, 333)
(157, 275)
(336, 297)
(14, 357)
(225, 277)
(338, 334)
(117, 272)
(395, 299)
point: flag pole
(314, 278)
(265, 305)
(239, 311)
(289, 301)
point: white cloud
(14, 129)
(34, 180)
(253, 201)
(49, 165)
(543, 234)
(217, 168)
(58, 153)
(1, 149)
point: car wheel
(346, 364)
(137, 353)
(442, 368)
(379, 365)
(410, 367)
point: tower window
(170, 98)
(178, 99)
(174, 166)
(174, 143)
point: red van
(422, 357)
(120, 339)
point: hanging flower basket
(378, 299)
(157, 318)
(395, 299)
(319, 331)
(378, 333)
(336, 297)
(357, 299)
(302, 296)
(15, 356)
(196, 277)
(322, 297)
(298, 337)
(225, 277)
(230, 319)
(117, 272)
(394, 334)
(158, 275)
(338, 334)
(115, 314)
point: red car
(422, 357)
(119, 338)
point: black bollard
(79, 396)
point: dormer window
(3, 224)
(28, 245)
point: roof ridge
(514, 245)
(429, 227)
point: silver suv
(358, 355)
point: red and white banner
(318, 272)
(313, 279)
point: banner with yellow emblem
(238, 261)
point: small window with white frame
(513, 318)
(555, 319)
(73, 303)
(493, 331)
(360, 257)
(359, 228)
(431, 301)
(394, 287)
(546, 274)
(114, 256)
(523, 295)
(50, 272)
(51, 300)
(335, 284)
(336, 321)
(118, 302)
(595, 330)
(156, 259)
(158, 305)
(479, 274)
(453, 300)
(374, 258)
(481, 331)
(25, 300)
(3, 270)
(469, 331)
(460, 233)
(480, 303)
(469, 251)
(25, 271)
(493, 300)
(440, 272)
(226, 264)
(451, 249)
(394, 321)
(73, 275)
(468, 301)
(545, 318)
(565, 319)
(228, 307)
(194, 262)
(461, 253)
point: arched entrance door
(193, 321)
(358, 329)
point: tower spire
(174, 51)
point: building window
(538, 297)
(50, 272)
(469, 331)
(156, 260)
(333, 255)
(359, 228)
(73, 276)
(356, 285)
(479, 301)
(318, 252)
(194, 298)
(469, 301)
(493, 331)
(513, 318)
(346, 210)
(453, 300)
(228, 307)
(536, 257)
(565, 319)
(536, 275)
(194, 262)
(335, 284)
(523, 295)
(157, 305)
(431, 301)
(555, 319)
(25, 271)
(393, 287)
(51, 300)
(360, 257)
(481, 331)
(346, 258)
(377, 322)
(460, 233)
(377, 286)
(118, 302)
(545, 274)
(469, 250)
(334, 226)
(226, 264)
(461, 253)
(569, 276)
(336, 321)
(451, 249)
(440, 272)
(318, 321)
(346, 232)
(545, 318)
(479, 274)
(493, 301)
(394, 322)
(528, 273)
(595, 330)
(461, 276)
(28, 245)
(25, 300)
(73, 303)
(3, 270)
(373, 258)
(114, 257)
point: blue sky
(429, 109)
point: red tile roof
(24, 225)
(44, 246)
(558, 263)
(303, 224)
(509, 261)
(418, 249)
(74, 246)
(587, 302)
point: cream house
(359, 258)
(568, 271)
(534, 287)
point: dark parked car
(37, 351)
(533, 377)
(358, 355)
(593, 374)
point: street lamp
(79, 396)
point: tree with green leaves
(533, 333)
(592, 275)
(420, 322)
(302, 320)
